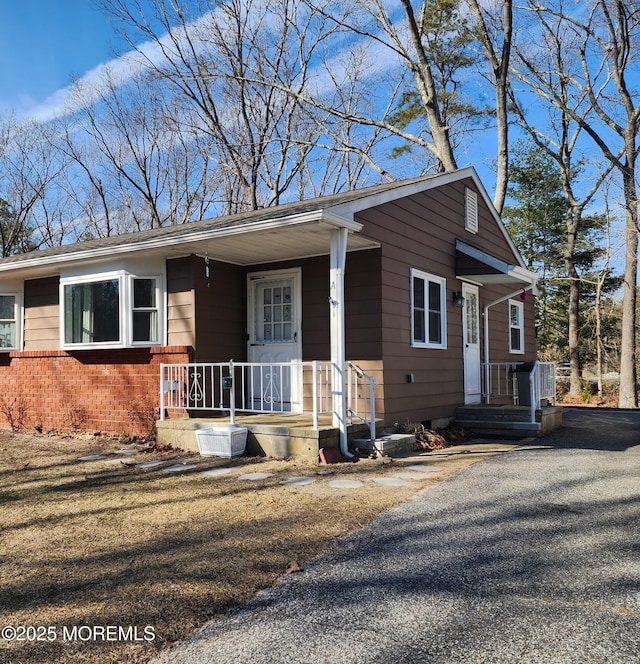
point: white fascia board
(136, 245)
(402, 190)
(523, 274)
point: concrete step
(388, 444)
(509, 421)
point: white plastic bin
(227, 441)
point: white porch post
(337, 316)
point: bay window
(111, 310)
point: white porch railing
(249, 387)
(523, 383)
(361, 397)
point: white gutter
(337, 328)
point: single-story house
(413, 285)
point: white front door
(471, 344)
(274, 316)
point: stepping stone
(392, 481)
(410, 475)
(120, 462)
(179, 467)
(150, 464)
(215, 472)
(299, 481)
(345, 484)
(424, 468)
(92, 457)
(254, 477)
(126, 451)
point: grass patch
(96, 544)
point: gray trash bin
(523, 371)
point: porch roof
(478, 266)
(239, 240)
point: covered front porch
(334, 407)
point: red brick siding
(111, 391)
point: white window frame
(441, 282)
(125, 281)
(16, 320)
(517, 326)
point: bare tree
(228, 66)
(545, 65)
(27, 168)
(605, 46)
(494, 30)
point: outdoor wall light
(458, 300)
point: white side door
(471, 344)
(274, 317)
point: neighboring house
(393, 278)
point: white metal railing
(499, 381)
(361, 397)
(272, 387)
(509, 379)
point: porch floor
(278, 435)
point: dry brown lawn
(92, 553)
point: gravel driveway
(529, 556)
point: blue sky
(44, 44)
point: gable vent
(471, 210)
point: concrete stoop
(509, 421)
(279, 440)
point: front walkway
(401, 471)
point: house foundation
(276, 436)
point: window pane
(515, 339)
(7, 335)
(144, 293)
(145, 326)
(418, 293)
(435, 314)
(513, 313)
(7, 307)
(92, 312)
(434, 296)
(435, 330)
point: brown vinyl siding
(42, 314)
(221, 325)
(420, 232)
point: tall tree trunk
(627, 397)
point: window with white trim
(8, 321)
(144, 313)
(428, 310)
(516, 327)
(111, 310)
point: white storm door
(274, 317)
(471, 344)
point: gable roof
(288, 231)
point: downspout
(337, 318)
(485, 317)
